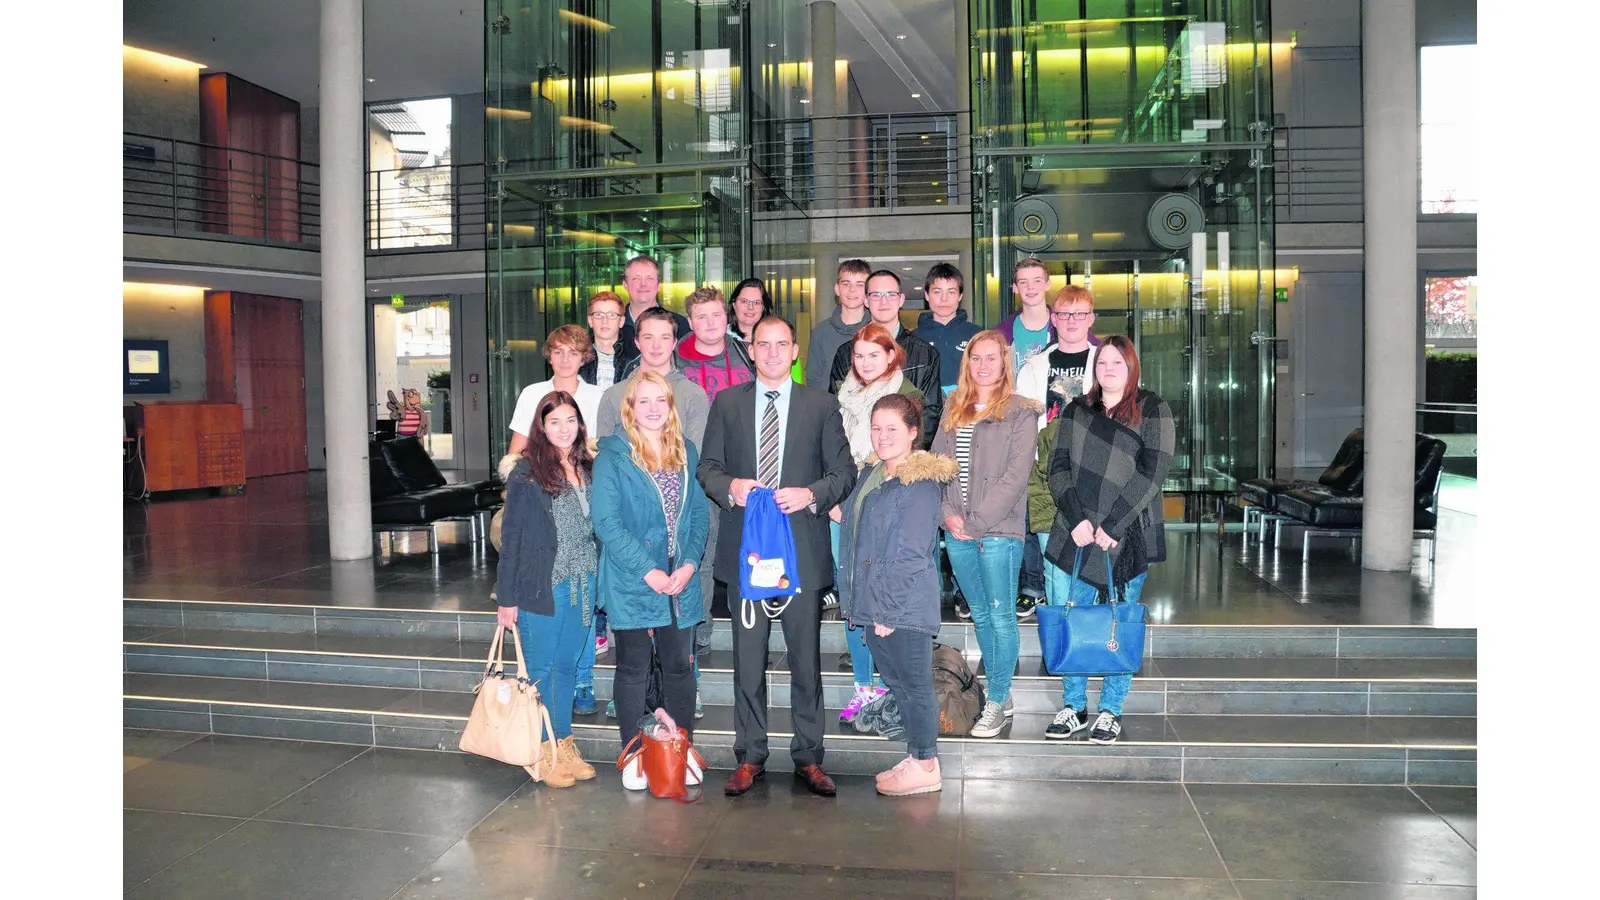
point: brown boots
(566, 770)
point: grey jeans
(708, 584)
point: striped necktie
(767, 456)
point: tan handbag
(508, 722)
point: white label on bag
(766, 573)
(503, 693)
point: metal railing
(918, 160)
(1317, 174)
(204, 190)
(181, 187)
(427, 207)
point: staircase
(1313, 704)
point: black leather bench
(1330, 512)
(1343, 474)
(409, 493)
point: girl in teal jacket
(650, 516)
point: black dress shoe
(816, 780)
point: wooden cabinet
(190, 445)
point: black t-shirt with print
(1066, 379)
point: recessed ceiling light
(905, 268)
(804, 100)
(371, 80)
(899, 37)
(771, 46)
(916, 96)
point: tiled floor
(210, 816)
(270, 545)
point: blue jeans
(906, 658)
(1075, 688)
(552, 645)
(986, 569)
(855, 639)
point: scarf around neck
(855, 405)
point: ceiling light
(371, 80)
(916, 96)
(804, 100)
(772, 46)
(905, 268)
(899, 37)
(162, 58)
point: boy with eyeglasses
(1056, 376)
(611, 354)
(921, 367)
(1064, 371)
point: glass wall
(614, 128)
(1126, 143)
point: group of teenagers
(629, 471)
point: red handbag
(665, 764)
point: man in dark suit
(774, 433)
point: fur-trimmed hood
(1027, 404)
(925, 466)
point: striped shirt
(964, 455)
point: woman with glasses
(1112, 450)
(749, 305)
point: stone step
(1341, 642)
(1177, 685)
(1375, 750)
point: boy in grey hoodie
(847, 318)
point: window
(1448, 110)
(409, 174)
(1450, 309)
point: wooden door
(269, 370)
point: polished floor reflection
(270, 545)
(209, 816)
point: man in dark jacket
(921, 367)
(789, 437)
(945, 324)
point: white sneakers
(633, 777)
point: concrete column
(344, 277)
(827, 272)
(1389, 168)
(824, 103)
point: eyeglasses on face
(884, 295)
(747, 303)
(1072, 316)
(605, 316)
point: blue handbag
(769, 568)
(1093, 639)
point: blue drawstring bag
(768, 566)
